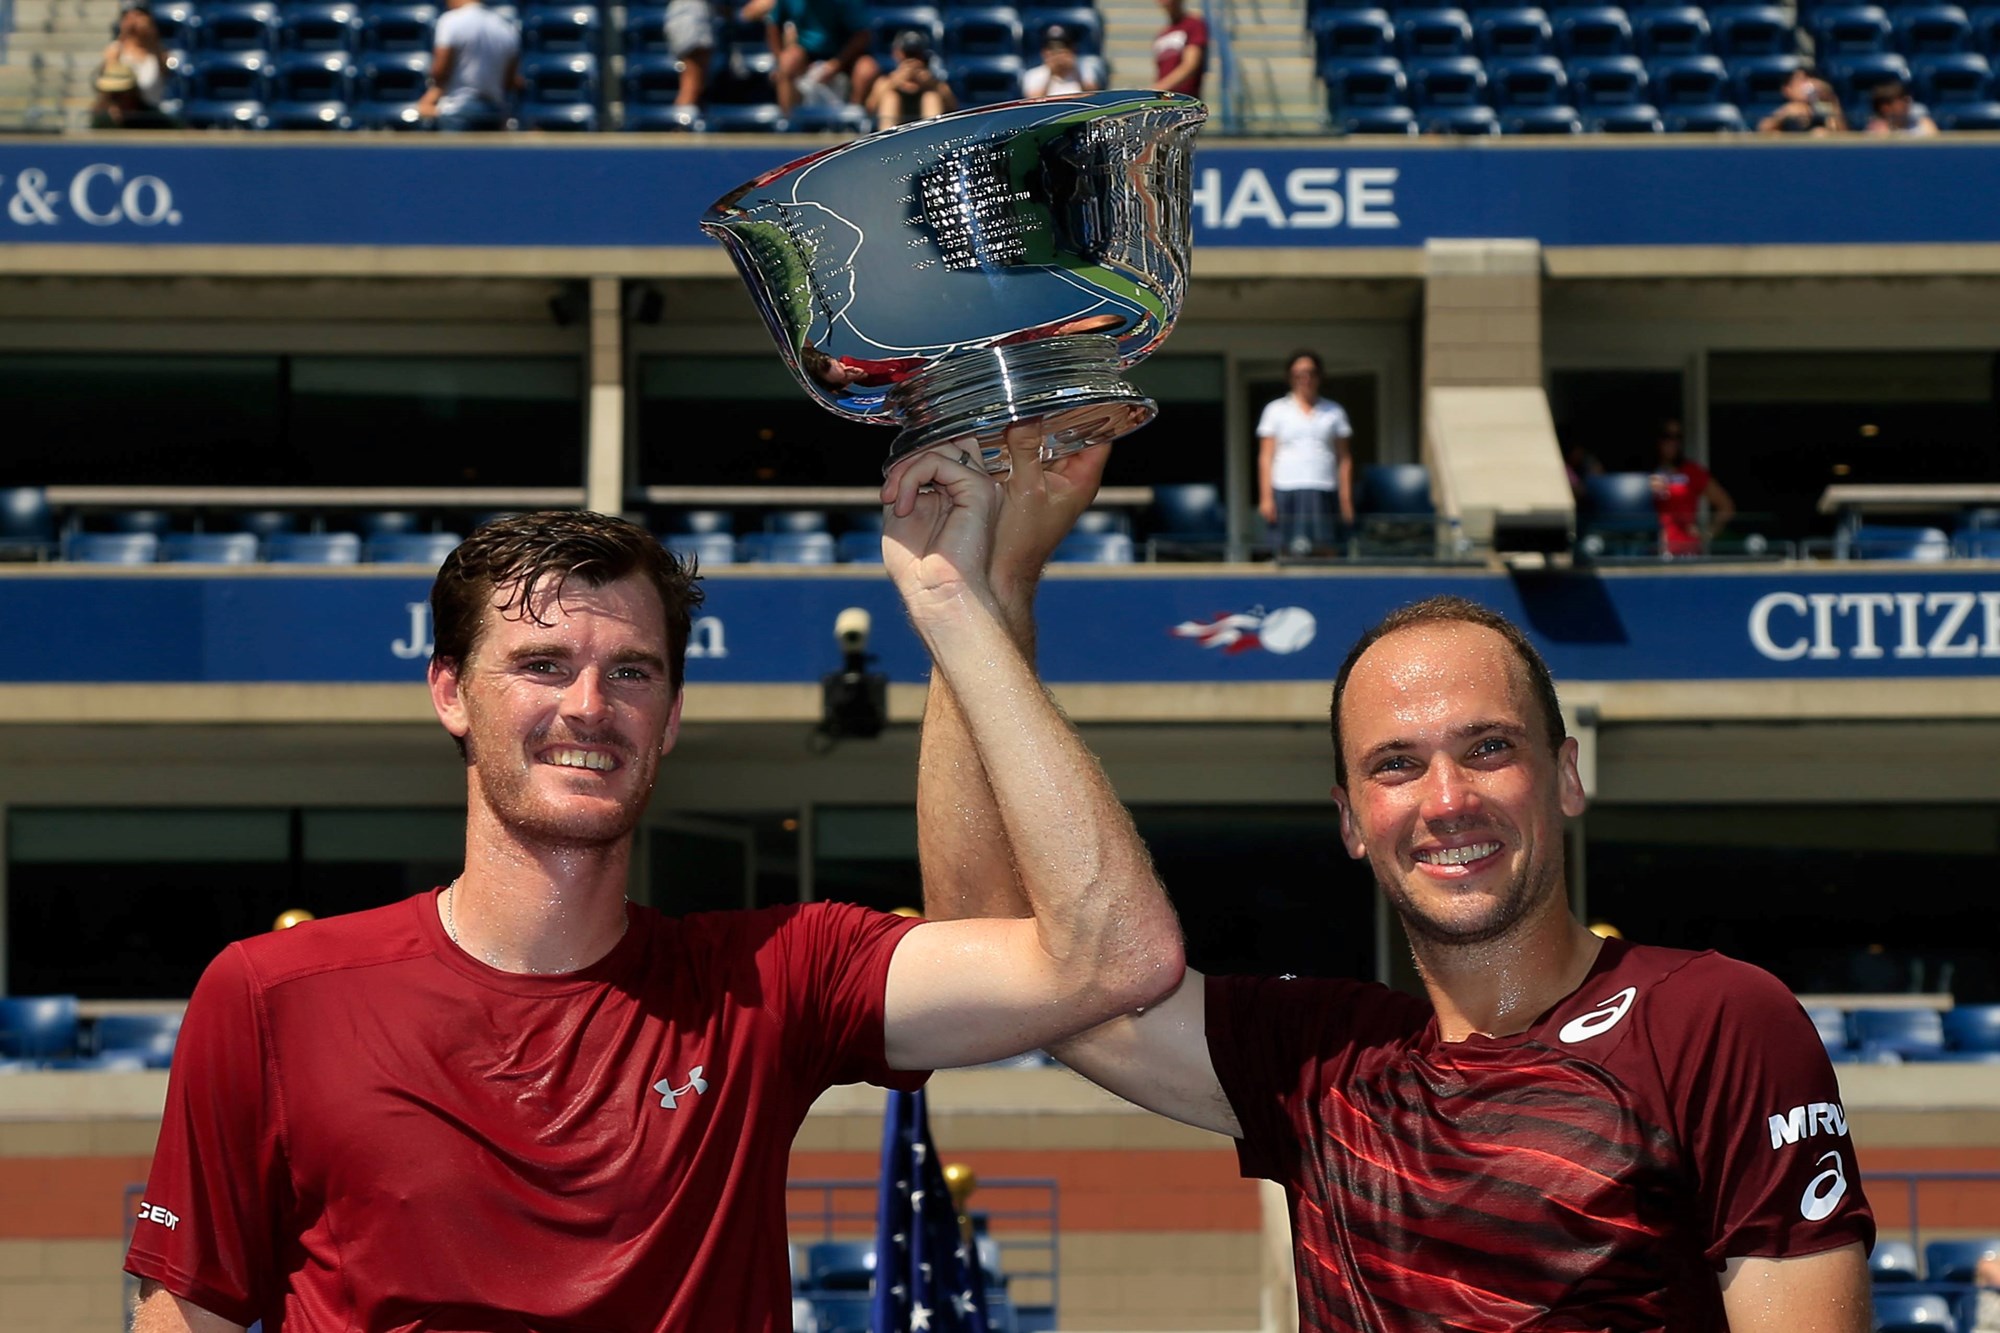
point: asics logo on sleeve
(1599, 1020)
(1824, 1191)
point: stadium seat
(1446, 81)
(151, 1037)
(661, 118)
(112, 1062)
(840, 1265)
(1541, 120)
(1517, 31)
(156, 521)
(1352, 32)
(1424, 33)
(1831, 1024)
(311, 90)
(985, 80)
(796, 520)
(1954, 1260)
(561, 117)
(1527, 81)
(707, 549)
(859, 548)
(1985, 20)
(558, 79)
(1618, 511)
(210, 548)
(651, 80)
(1893, 1261)
(1607, 81)
(1931, 30)
(1671, 30)
(887, 22)
(788, 548)
(1886, 541)
(38, 1027)
(1187, 519)
(701, 520)
(393, 27)
(646, 31)
(226, 89)
(383, 522)
(238, 27)
(564, 29)
(1354, 82)
(1394, 514)
(1941, 80)
(319, 27)
(754, 118)
(1847, 30)
(1898, 1030)
(1972, 1027)
(264, 522)
(1102, 520)
(1969, 116)
(1759, 82)
(1399, 120)
(388, 85)
(1592, 30)
(112, 548)
(984, 30)
(1752, 30)
(1081, 21)
(179, 24)
(410, 548)
(313, 548)
(1459, 121)
(27, 525)
(846, 120)
(1687, 81)
(1094, 548)
(1913, 1312)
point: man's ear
(446, 698)
(1569, 780)
(1350, 836)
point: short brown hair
(529, 554)
(1452, 610)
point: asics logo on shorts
(1600, 1019)
(1824, 1191)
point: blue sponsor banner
(432, 191)
(1784, 624)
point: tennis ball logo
(1287, 629)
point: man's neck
(1498, 987)
(525, 905)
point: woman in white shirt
(1304, 464)
(1060, 74)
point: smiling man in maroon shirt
(1570, 1133)
(521, 1103)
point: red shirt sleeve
(206, 1228)
(830, 964)
(1759, 1107)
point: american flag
(927, 1273)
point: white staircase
(52, 55)
(1276, 91)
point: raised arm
(1158, 1059)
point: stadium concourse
(255, 385)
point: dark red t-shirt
(1594, 1172)
(1175, 38)
(369, 1130)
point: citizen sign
(1358, 198)
(99, 195)
(1862, 626)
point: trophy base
(1071, 387)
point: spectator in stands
(691, 39)
(1579, 465)
(1304, 465)
(1810, 107)
(1180, 52)
(1896, 111)
(822, 50)
(521, 1102)
(1679, 486)
(915, 88)
(132, 76)
(1061, 73)
(475, 69)
(1581, 1096)
(1986, 1303)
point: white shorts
(690, 26)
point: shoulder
(1700, 990)
(353, 940)
(1196, 28)
(1342, 1009)
(768, 929)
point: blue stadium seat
(1424, 33)
(1893, 1261)
(565, 29)
(1717, 118)
(179, 24)
(27, 525)
(113, 1062)
(394, 27)
(1398, 120)
(1394, 490)
(1847, 30)
(1352, 32)
(308, 116)
(1899, 1030)
(1459, 121)
(210, 548)
(1752, 30)
(1913, 1312)
(311, 90)
(1189, 510)
(1446, 81)
(1831, 1024)
(707, 549)
(1515, 31)
(793, 548)
(383, 522)
(1541, 120)
(985, 30)
(112, 548)
(1527, 81)
(238, 27)
(1671, 30)
(755, 118)
(1759, 81)
(156, 521)
(701, 520)
(1972, 1027)
(1932, 30)
(661, 118)
(1985, 20)
(1943, 79)
(1592, 30)
(862, 520)
(1354, 82)
(313, 548)
(1618, 511)
(410, 548)
(558, 78)
(1102, 520)
(847, 120)
(887, 22)
(1607, 81)
(560, 117)
(985, 80)
(263, 522)
(225, 89)
(388, 85)
(38, 1027)
(1954, 1260)
(797, 520)
(859, 548)
(319, 27)
(151, 1037)
(646, 31)
(1969, 116)
(1095, 548)
(651, 80)
(1687, 81)
(840, 1265)
(1081, 21)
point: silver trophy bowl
(958, 276)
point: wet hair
(1452, 611)
(533, 557)
(1305, 354)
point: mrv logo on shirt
(1805, 1121)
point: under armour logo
(670, 1095)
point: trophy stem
(1073, 387)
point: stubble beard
(519, 807)
(1522, 895)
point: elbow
(1149, 968)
